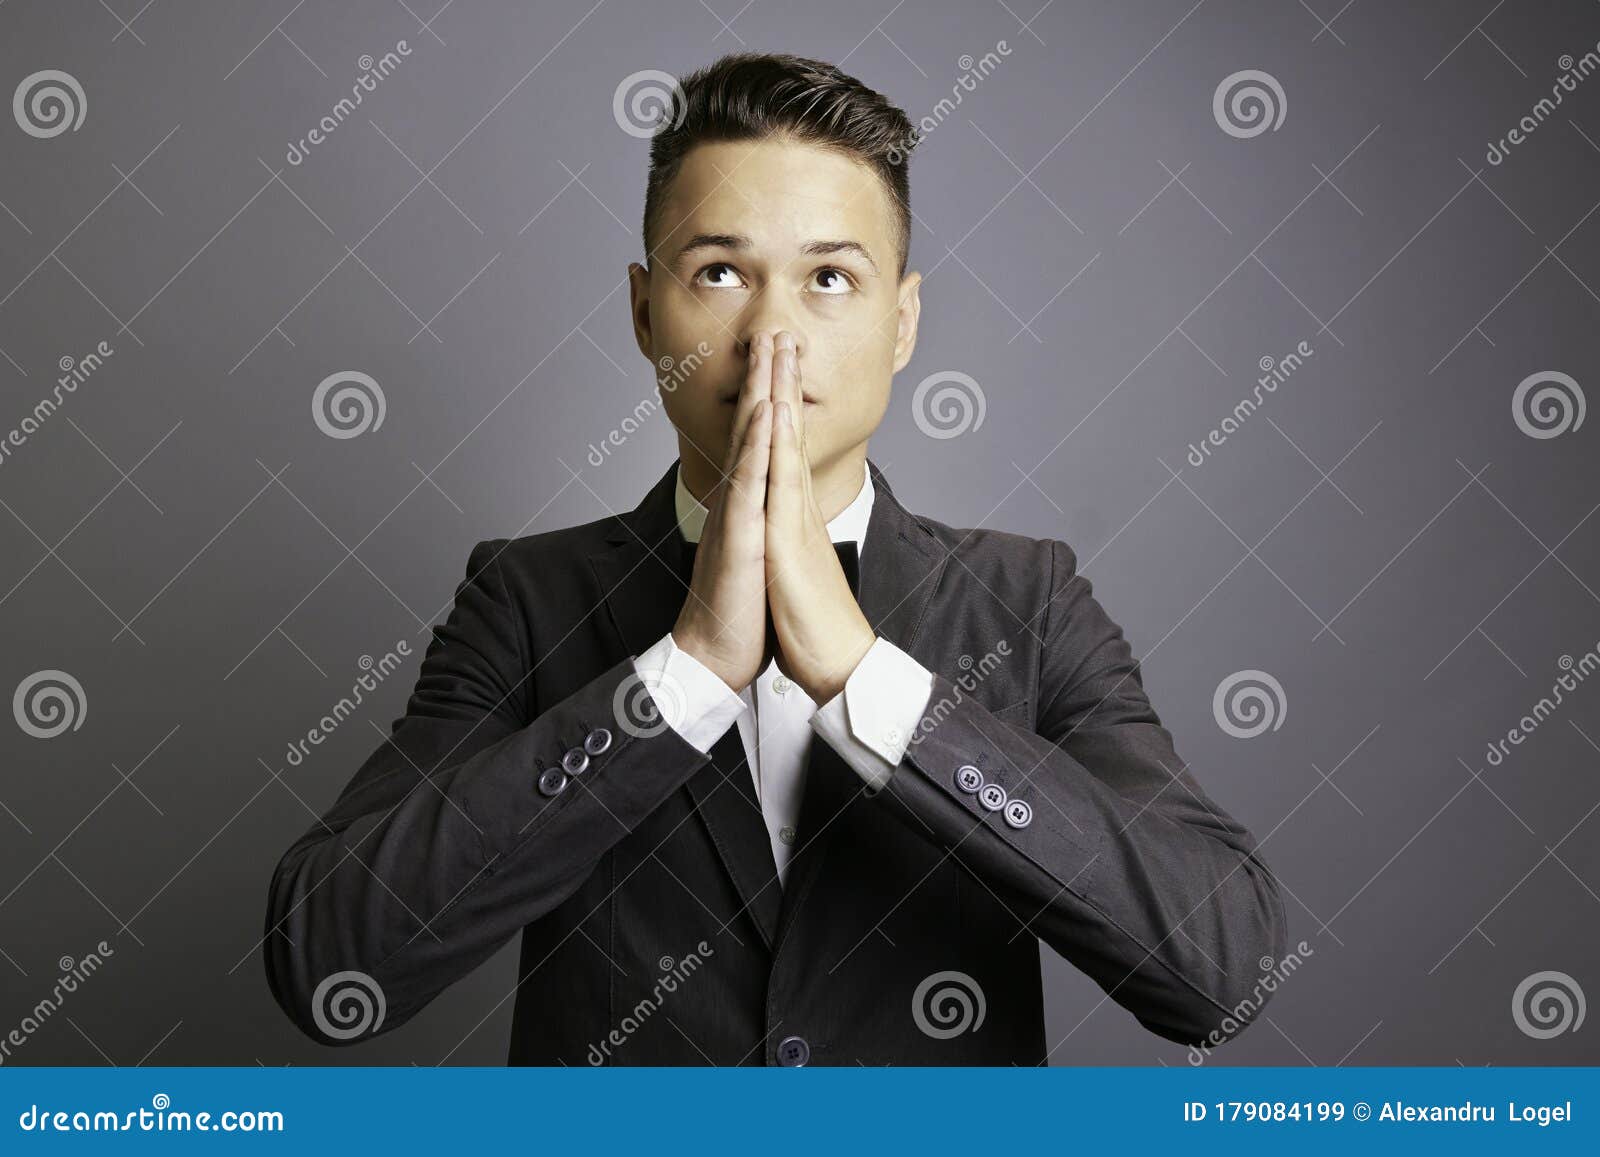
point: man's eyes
(710, 269)
(840, 281)
(829, 281)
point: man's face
(775, 235)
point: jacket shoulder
(987, 550)
(547, 552)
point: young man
(720, 759)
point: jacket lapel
(900, 568)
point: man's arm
(1119, 861)
(447, 841)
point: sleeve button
(992, 796)
(1018, 814)
(597, 741)
(575, 761)
(968, 778)
(553, 781)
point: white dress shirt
(869, 723)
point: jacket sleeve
(461, 827)
(1121, 863)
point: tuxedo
(1040, 798)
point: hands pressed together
(765, 548)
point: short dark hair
(752, 96)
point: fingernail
(786, 340)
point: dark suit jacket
(654, 927)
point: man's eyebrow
(823, 248)
(740, 241)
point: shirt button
(793, 1051)
(786, 834)
(780, 684)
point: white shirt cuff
(871, 722)
(695, 702)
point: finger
(786, 373)
(783, 471)
(737, 442)
(786, 391)
(750, 472)
(757, 380)
(757, 386)
(803, 466)
(788, 385)
(799, 403)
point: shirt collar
(849, 525)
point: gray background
(1101, 257)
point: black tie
(849, 558)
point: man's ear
(907, 313)
(639, 307)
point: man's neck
(835, 485)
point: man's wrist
(833, 682)
(689, 643)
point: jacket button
(597, 741)
(993, 796)
(968, 778)
(553, 781)
(793, 1051)
(575, 761)
(1018, 814)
